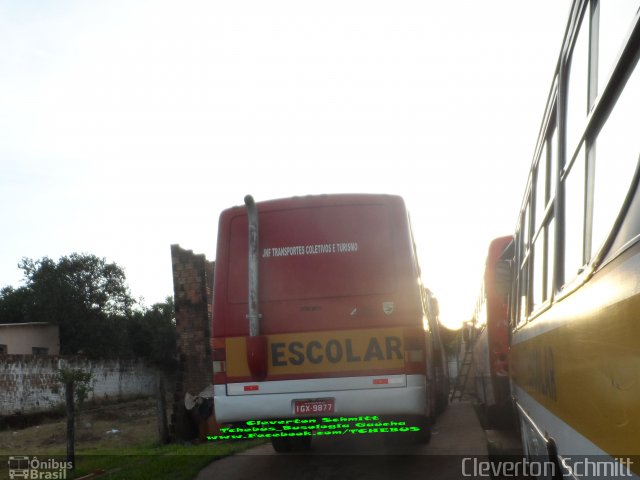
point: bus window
(523, 284)
(614, 21)
(551, 255)
(553, 170)
(574, 217)
(541, 182)
(524, 228)
(537, 284)
(617, 150)
(538, 291)
(577, 90)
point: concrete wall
(21, 338)
(29, 384)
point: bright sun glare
(132, 125)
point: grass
(119, 441)
(174, 461)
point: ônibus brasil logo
(33, 468)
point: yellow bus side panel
(587, 372)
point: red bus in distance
(491, 343)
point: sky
(127, 126)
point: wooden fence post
(71, 421)
(163, 428)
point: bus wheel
(424, 435)
(281, 444)
(300, 444)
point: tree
(86, 296)
(87, 280)
(14, 304)
(152, 333)
(77, 385)
(89, 300)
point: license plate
(313, 407)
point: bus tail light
(219, 356)
(257, 356)
(414, 351)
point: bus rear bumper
(408, 398)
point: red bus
(319, 310)
(491, 345)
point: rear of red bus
(492, 347)
(341, 325)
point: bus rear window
(316, 252)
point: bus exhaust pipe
(256, 343)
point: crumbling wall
(193, 292)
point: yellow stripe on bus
(323, 352)
(587, 373)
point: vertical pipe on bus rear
(253, 316)
(257, 345)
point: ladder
(465, 367)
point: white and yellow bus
(575, 299)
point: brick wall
(193, 291)
(29, 384)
